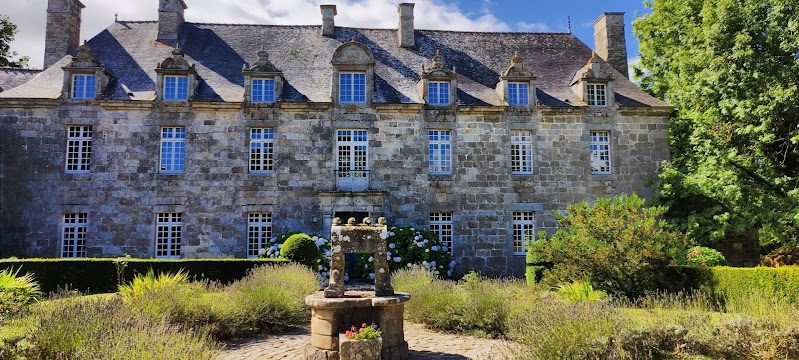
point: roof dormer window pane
(438, 93)
(176, 88)
(263, 90)
(596, 95)
(83, 86)
(352, 88)
(518, 94)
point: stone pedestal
(330, 317)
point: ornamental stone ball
(381, 220)
(337, 221)
(351, 221)
(367, 221)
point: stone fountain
(336, 309)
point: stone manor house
(173, 139)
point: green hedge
(726, 282)
(96, 275)
(534, 273)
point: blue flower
(397, 259)
(391, 246)
(434, 248)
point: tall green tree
(731, 69)
(7, 32)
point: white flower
(424, 263)
(434, 248)
(420, 244)
(315, 238)
(365, 266)
(412, 229)
(426, 250)
(418, 237)
(397, 259)
(279, 246)
(372, 276)
(391, 233)
(320, 267)
(371, 259)
(391, 246)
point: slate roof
(129, 51)
(12, 77)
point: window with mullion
(352, 88)
(261, 150)
(79, 148)
(74, 235)
(600, 152)
(439, 151)
(518, 94)
(523, 230)
(259, 232)
(352, 153)
(173, 149)
(169, 233)
(441, 225)
(521, 152)
(597, 94)
(83, 86)
(438, 93)
(263, 90)
(176, 88)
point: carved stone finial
(381, 220)
(367, 221)
(516, 69)
(337, 221)
(351, 221)
(177, 51)
(516, 58)
(352, 39)
(116, 17)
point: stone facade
(124, 189)
(63, 29)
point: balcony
(352, 180)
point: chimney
(609, 40)
(328, 21)
(170, 19)
(405, 30)
(63, 30)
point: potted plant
(362, 344)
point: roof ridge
(393, 29)
(18, 69)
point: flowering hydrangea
(408, 246)
(272, 250)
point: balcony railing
(352, 180)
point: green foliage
(731, 284)
(581, 291)
(98, 275)
(143, 284)
(704, 256)
(7, 32)
(618, 243)
(17, 292)
(366, 332)
(534, 273)
(730, 67)
(301, 248)
(408, 246)
(103, 329)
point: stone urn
(349, 349)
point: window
(263, 90)
(352, 88)
(169, 232)
(518, 94)
(352, 153)
(259, 232)
(438, 93)
(521, 152)
(176, 88)
(83, 86)
(79, 148)
(523, 230)
(439, 151)
(173, 149)
(596, 95)
(261, 144)
(74, 235)
(600, 152)
(441, 225)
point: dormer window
(83, 86)
(263, 90)
(438, 82)
(176, 88)
(596, 94)
(438, 93)
(352, 88)
(518, 94)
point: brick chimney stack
(405, 29)
(170, 19)
(62, 36)
(609, 40)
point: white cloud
(98, 14)
(532, 27)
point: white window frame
(259, 232)
(439, 151)
(521, 152)
(89, 82)
(265, 87)
(79, 149)
(523, 231)
(352, 159)
(175, 94)
(262, 149)
(176, 155)
(601, 163)
(73, 235)
(352, 93)
(596, 94)
(518, 93)
(168, 235)
(441, 225)
(438, 93)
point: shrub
(301, 248)
(704, 256)
(17, 292)
(620, 245)
(728, 284)
(149, 282)
(581, 291)
(408, 246)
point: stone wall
(123, 191)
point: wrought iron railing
(352, 180)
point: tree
(7, 32)
(731, 69)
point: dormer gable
(263, 81)
(594, 83)
(84, 77)
(517, 84)
(353, 75)
(177, 78)
(438, 84)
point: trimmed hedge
(96, 275)
(725, 282)
(534, 273)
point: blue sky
(469, 15)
